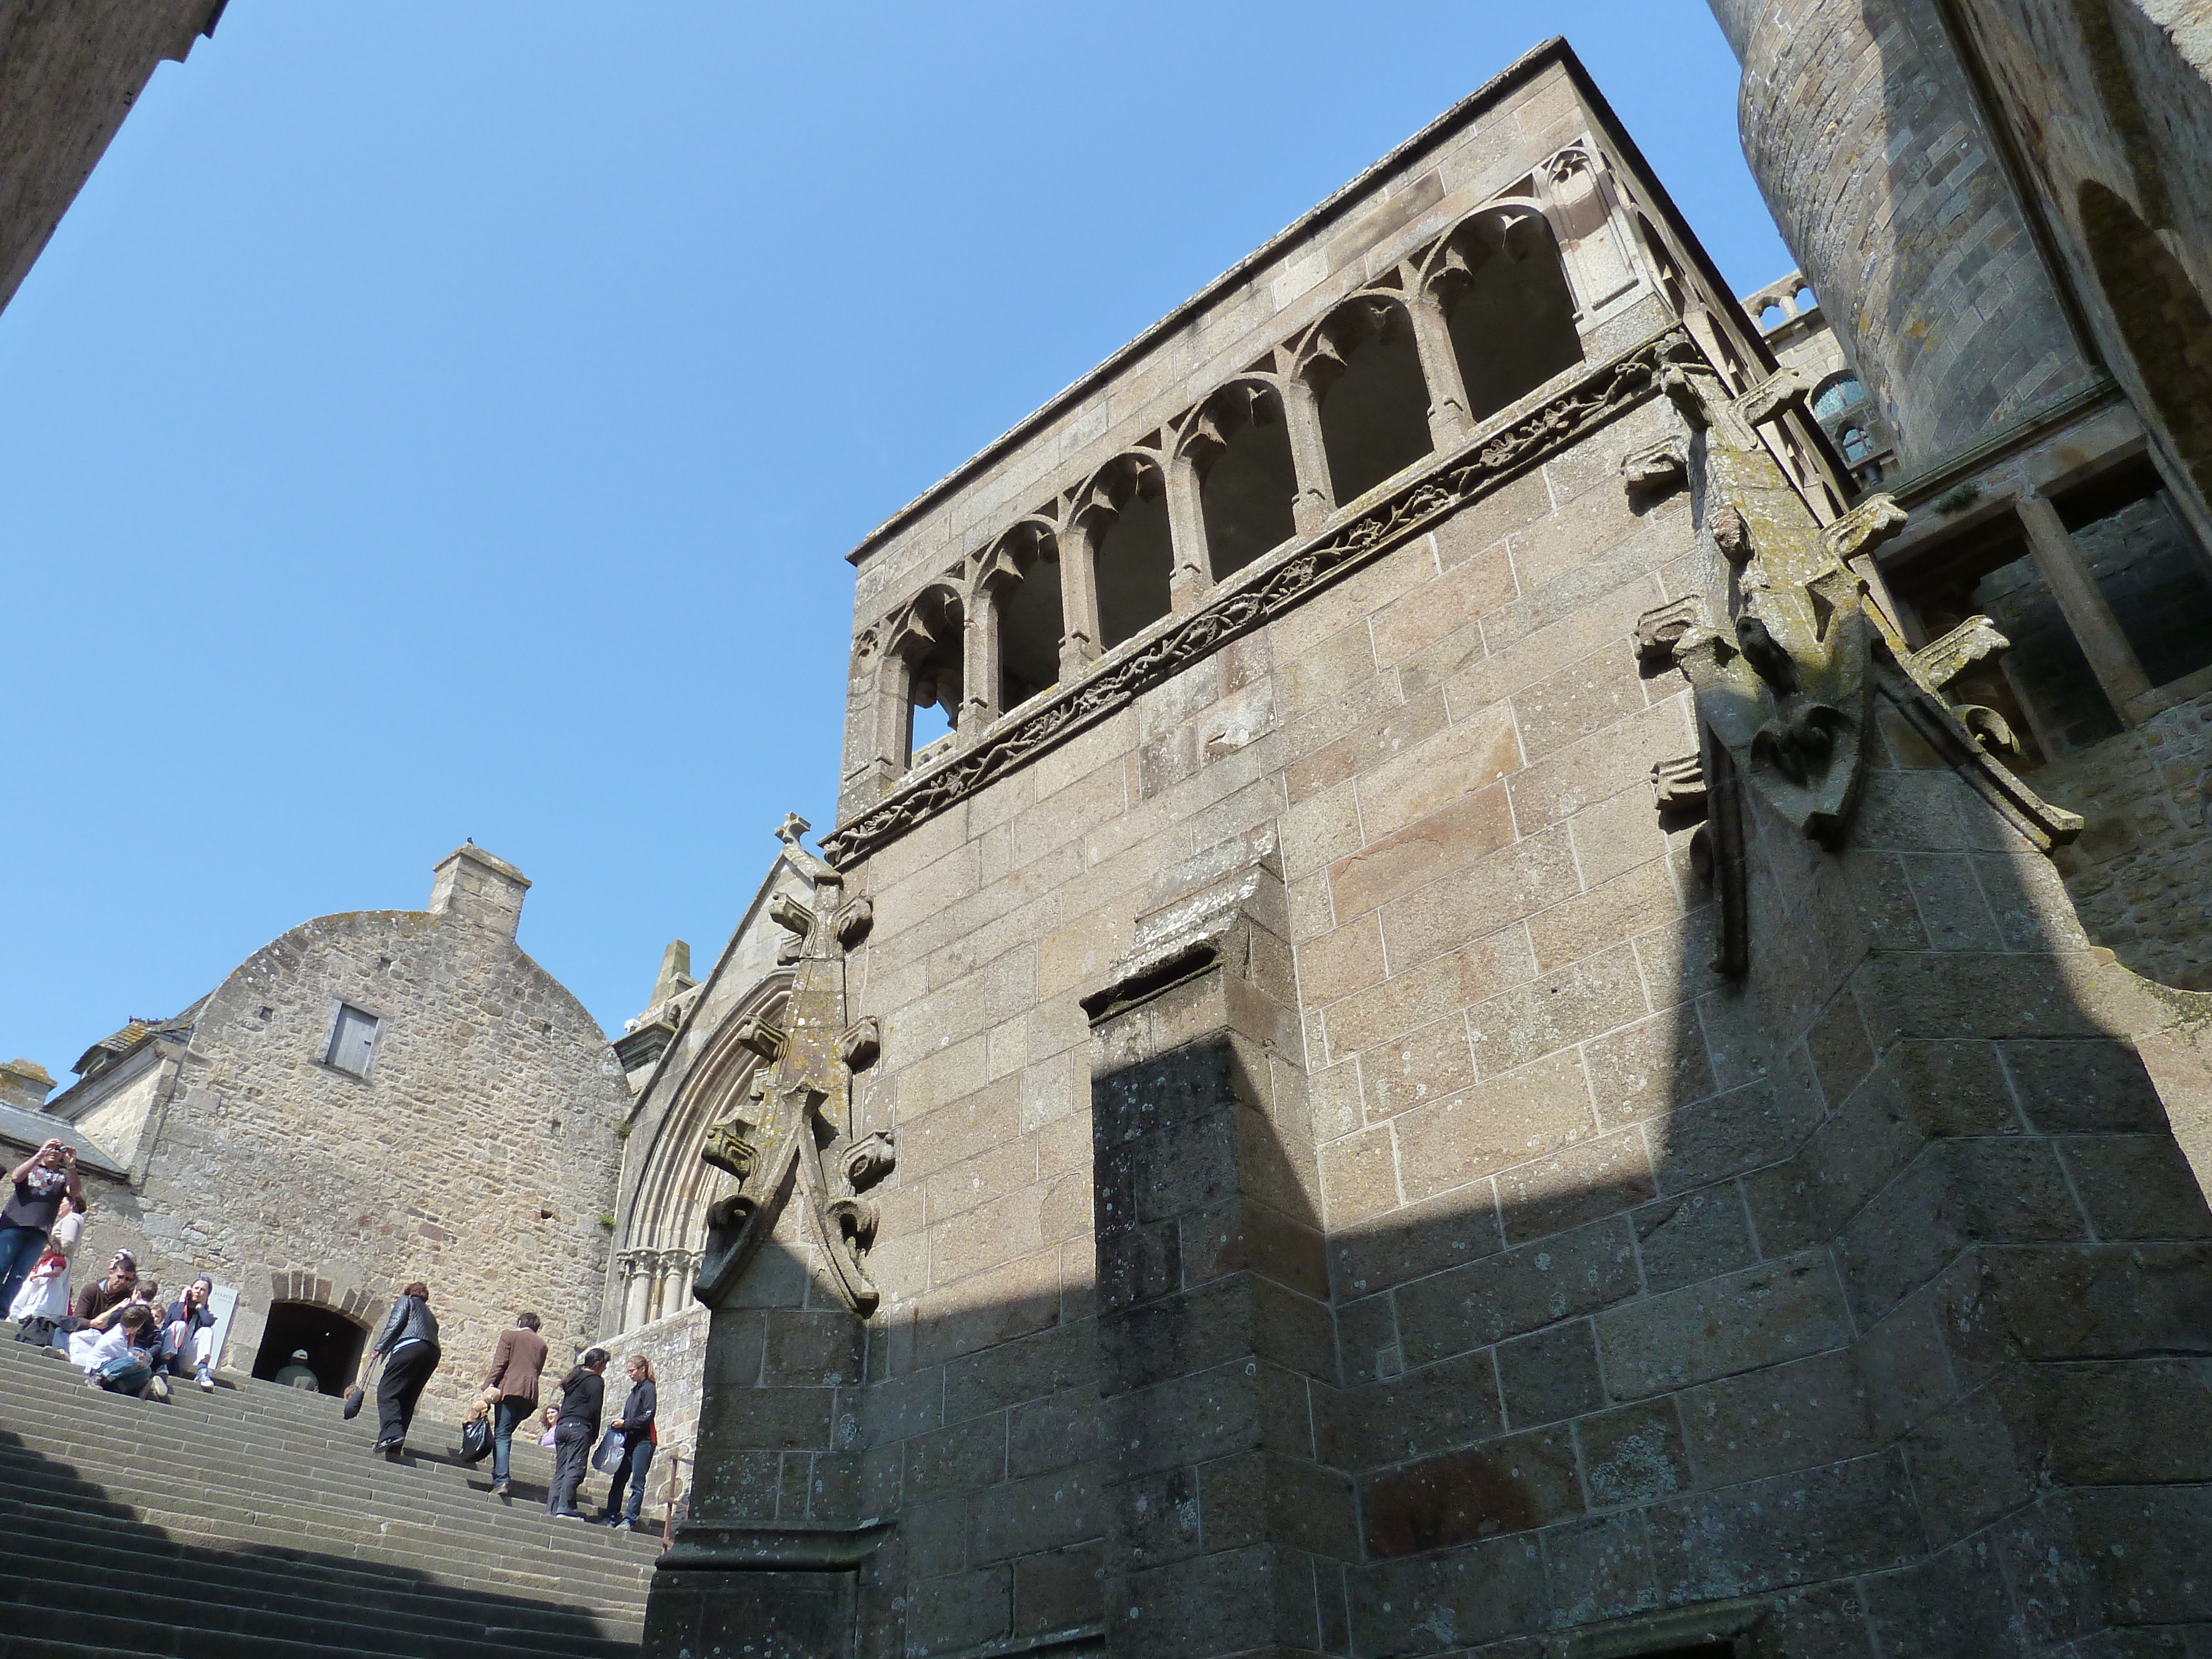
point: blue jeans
(127, 1373)
(508, 1416)
(630, 1472)
(20, 1249)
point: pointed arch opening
(1024, 590)
(933, 650)
(1132, 547)
(1504, 289)
(1366, 371)
(1248, 481)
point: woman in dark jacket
(188, 1332)
(409, 1343)
(583, 1391)
(636, 1427)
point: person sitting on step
(104, 1295)
(408, 1344)
(189, 1330)
(582, 1393)
(549, 1421)
(117, 1359)
(43, 1302)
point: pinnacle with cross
(791, 828)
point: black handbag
(358, 1393)
(475, 1438)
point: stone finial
(675, 973)
(24, 1083)
(476, 886)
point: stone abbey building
(1515, 958)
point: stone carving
(1936, 665)
(1465, 475)
(1658, 631)
(861, 1044)
(1656, 468)
(795, 1129)
(854, 921)
(1678, 786)
(1788, 687)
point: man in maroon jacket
(511, 1390)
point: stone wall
(479, 1155)
(2141, 872)
(1862, 130)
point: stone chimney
(473, 885)
(24, 1083)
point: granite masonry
(375, 1098)
(1467, 1045)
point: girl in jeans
(639, 1437)
(117, 1359)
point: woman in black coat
(409, 1343)
(583, 1391)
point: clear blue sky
(437, 421)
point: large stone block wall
(1862, 130)
(479, 1155)
(2141, 875)
(1647, 1291)
(1487, 1266)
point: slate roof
(26, 1131)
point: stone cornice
(1485, 463)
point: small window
(1836, 397)
(353, 1041)
(1856, 444)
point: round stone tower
(1860, 129)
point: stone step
(233, 1402)
(139, 1559)
(366, 1625)
(255, 1523)
(285, 1547)
(555, 1557)
(431, 1493)
(110, 1431)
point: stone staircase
(255, 1523)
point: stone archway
(2162, 320)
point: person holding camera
(41, 1182)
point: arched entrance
(333, 1343)
(2162, 319)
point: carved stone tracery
(794, 1130)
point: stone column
(637, 1291)
(1079, 601)
(1448, 420)
(980, 671)
(1227, 1534)
(2096, 629)
(1193, 566)
(1316, 497)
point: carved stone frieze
(1467, 475)
(794, 1131)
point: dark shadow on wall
(2161, 317)
(79, 1562)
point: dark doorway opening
(333, 1343)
